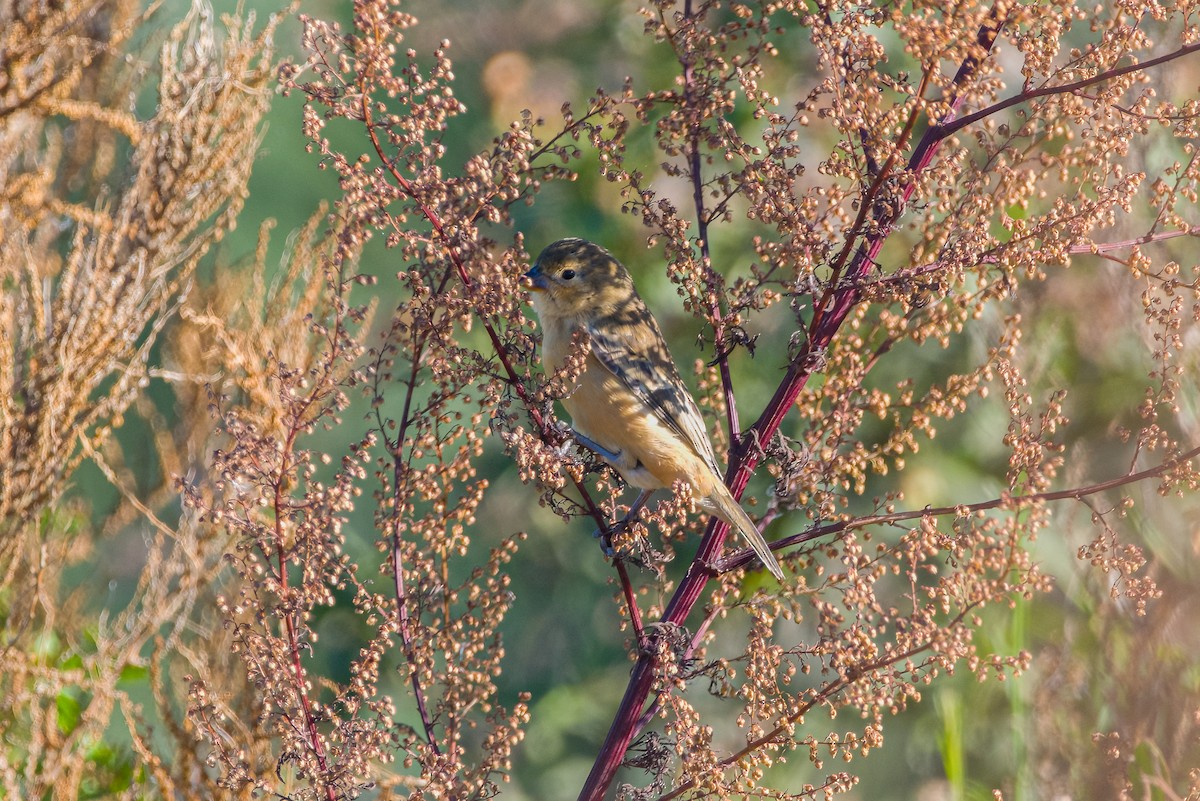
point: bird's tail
(726, 507)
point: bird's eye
(568, 275)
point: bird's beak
(535, 280)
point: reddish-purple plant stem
(501, 352)
(693, 644)
(406, 641)
(1101, 249)
(951, 126)
(825, 326)
(822, 330)
(1105, 247)
(464, 276)
(514, 381)
(635, 613)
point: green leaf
(70, 710)
(134, 673)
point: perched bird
(629, 405)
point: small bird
(629, 405)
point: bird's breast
(651, 453)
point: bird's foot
(606, 535)
(613, 457)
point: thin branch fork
(465, 277)
(951, 127)
(746, 557)
(832, 689)
(279, 505)
(1102, 249)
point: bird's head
(575, 277)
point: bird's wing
(646, 368)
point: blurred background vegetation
(1096, 666)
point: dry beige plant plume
(104, 217)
